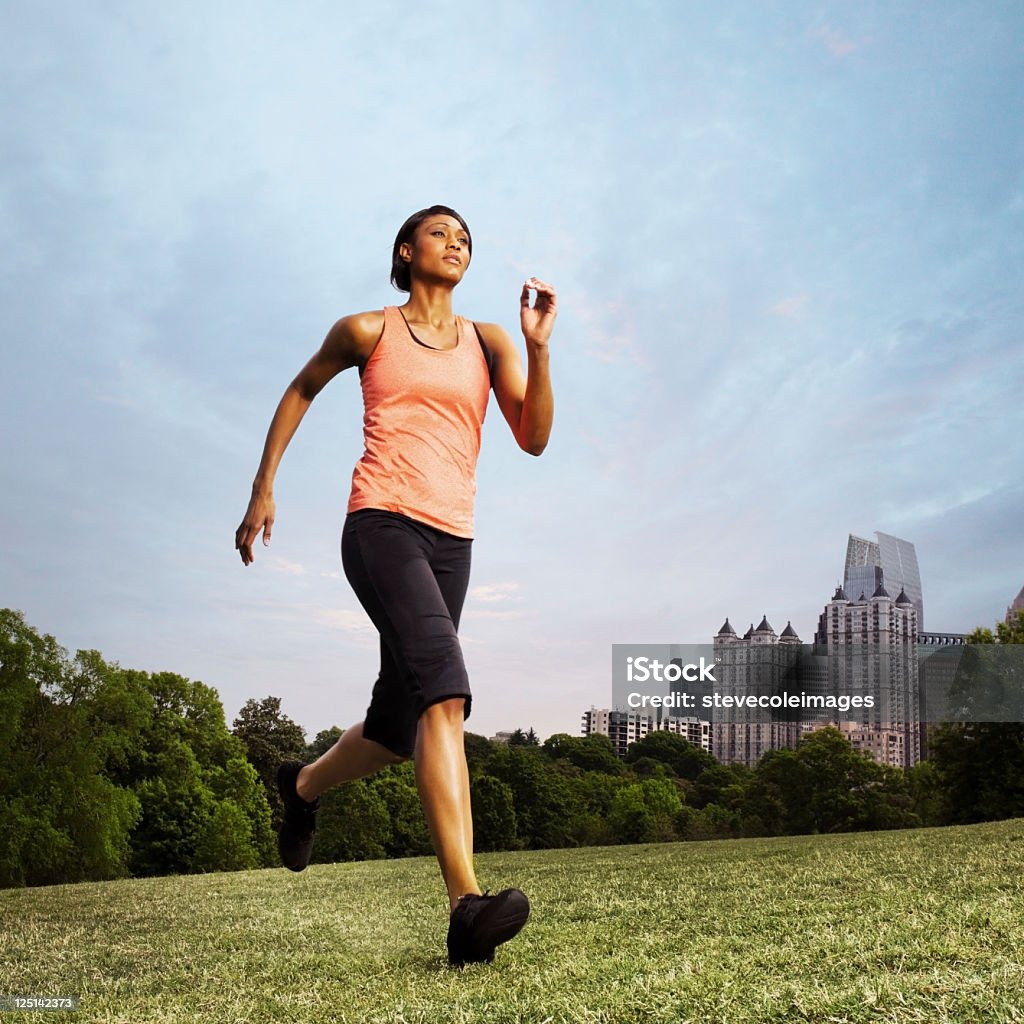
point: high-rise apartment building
(888, 562)
(757, 663)
(621, 727)
(871, 648)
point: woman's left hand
(538, 320)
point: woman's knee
(450, 711)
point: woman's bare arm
(348, 343)
(526, 400)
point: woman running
(426, 375)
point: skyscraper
(890, 563)
(871, 647)
(755, 664)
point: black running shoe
(480, 923)
(295, 837)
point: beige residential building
(871, 648)
(758, 663)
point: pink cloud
(835, 42)
(789, 307)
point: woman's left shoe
(479, 924)
(295, 837)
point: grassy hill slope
(924, 925)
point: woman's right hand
(258, 516)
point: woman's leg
(352, 757)
(442, 778)
(412, 581)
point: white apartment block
(626, 727)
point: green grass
(923, 925)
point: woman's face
(440, 248)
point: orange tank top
(424, 408)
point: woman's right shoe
(478, 924)
(295, 837)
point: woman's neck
(429, 304)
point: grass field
(922, 925)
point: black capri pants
(412, 579)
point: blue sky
(787, 242)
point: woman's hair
(399, 268)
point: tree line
(108, 772)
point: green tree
(325, 739)
(713, 822)
(593, 753)
(683, 757)
(838, 781)
(176, 811)
(270, 737)
(648, 768)
(353, 824)
(190, 765)
(593, 794)
(409, 835)
(478, 750)
(494, 814)
(777, 795)
(645, 812)
(926, 793)
(242, 804)
(827, 786)
(980, 765)
(720, 784)
(763, 811)
(62, 723)
(543, 802)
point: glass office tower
(888, 562)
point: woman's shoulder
(495, 337)
(365, 326)
(358, 333)
(491, 332)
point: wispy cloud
(793, 306)
(836, 42)
(345, 619)
(610, 334)
(275, 563)
(491, 592)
